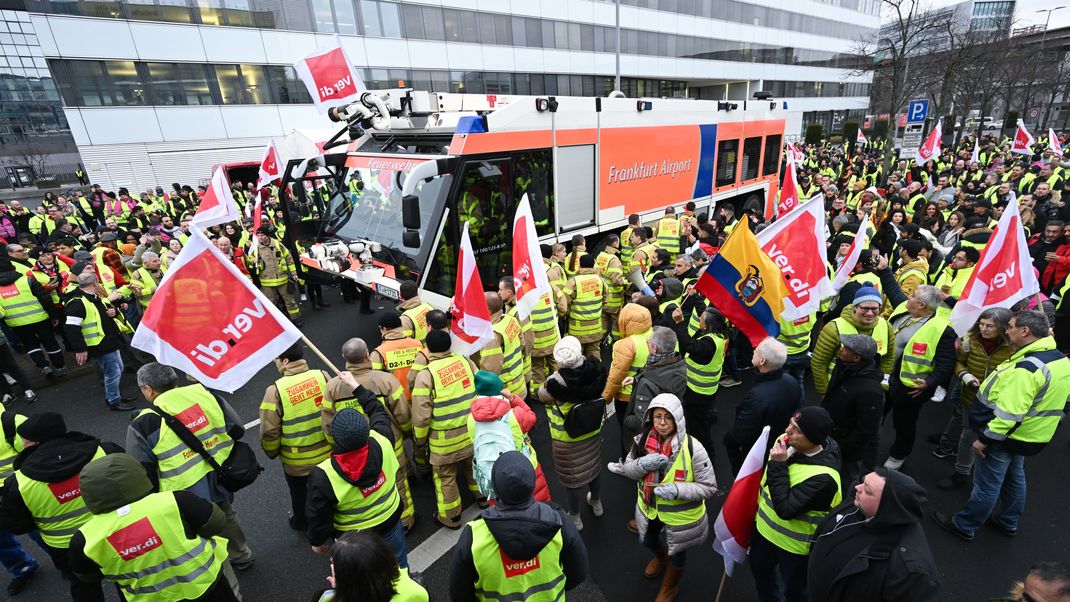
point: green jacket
(828, 348)
(971, 357)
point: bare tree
(36, 157)
(910, 35)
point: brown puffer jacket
(973, 358)
(633, 319)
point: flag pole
(720, 589)
(319, 354)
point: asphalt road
(286, 569)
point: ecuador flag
(745, 285)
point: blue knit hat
(350, 430)
(866, 293)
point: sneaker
(939, 394)
(943, 452)
(8, 398)
(577, 521)
(953, 481)
(30, 396)
(10, 380)
(944, 522)
(120, 406)
(60, 371)
(730, 382)
(48, 371)
(894, 463)
(596, 505)
(17, 584)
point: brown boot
(670, 584)
(632, 527)
(656, 564)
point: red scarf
(654, 477)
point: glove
(667, 492)
(615, 468)
(653, 462)
(970, 380)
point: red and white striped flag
(529, 276)
(470, 329)
(217, 205)
(1003, 274)
(735, 523)
(858, 245)
(208, 320)
(1023, 140)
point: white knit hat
(568, 352)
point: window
(127, 88)
(752, 150)
(434, 23)
(90, 84)
(166, 89)
(452, 21)
(469, 27)
(345, 17)
(771, 161)
(413, 17)
(369, 14)
(143, 10)
(727, 153)
(230, 85)
(255, 85)
(322, 16)
(176, 11)
(391, 19)
(210, 11)
(194, 83)
(287, 88)
(239, 13)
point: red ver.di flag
(1003, 274)
(470, 328)
(330, 77)
(931, 147)
(789, 192)
(796, 244)
(1023, 140)
(209, 321)
(269, 167)
(217, 205)
(529, 276)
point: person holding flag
(800, 486)
(675, 477)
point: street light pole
(1043, 39)
(617, 7)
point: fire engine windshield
(368, 204)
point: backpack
(649, 383)
(491, 440)
(583, 417)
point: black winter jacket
(884, 558)
(815, 493)
(855, 400)
(53, 461)
(772, 400)
(321, 501)
(521, 533)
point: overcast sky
(1026, 12)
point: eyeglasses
(662, 418)
(869, 310)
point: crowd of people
(622, 332)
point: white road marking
(440, 542)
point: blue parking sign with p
(917, 111)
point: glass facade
(31, 112)
(376, 18)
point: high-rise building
(158, 91)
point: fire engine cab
(409, 167)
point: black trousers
(298, 487)
(905, 410)
(40, 342)
(778, 575)
(700, 412)
(81, 591)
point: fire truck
(386, 200)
